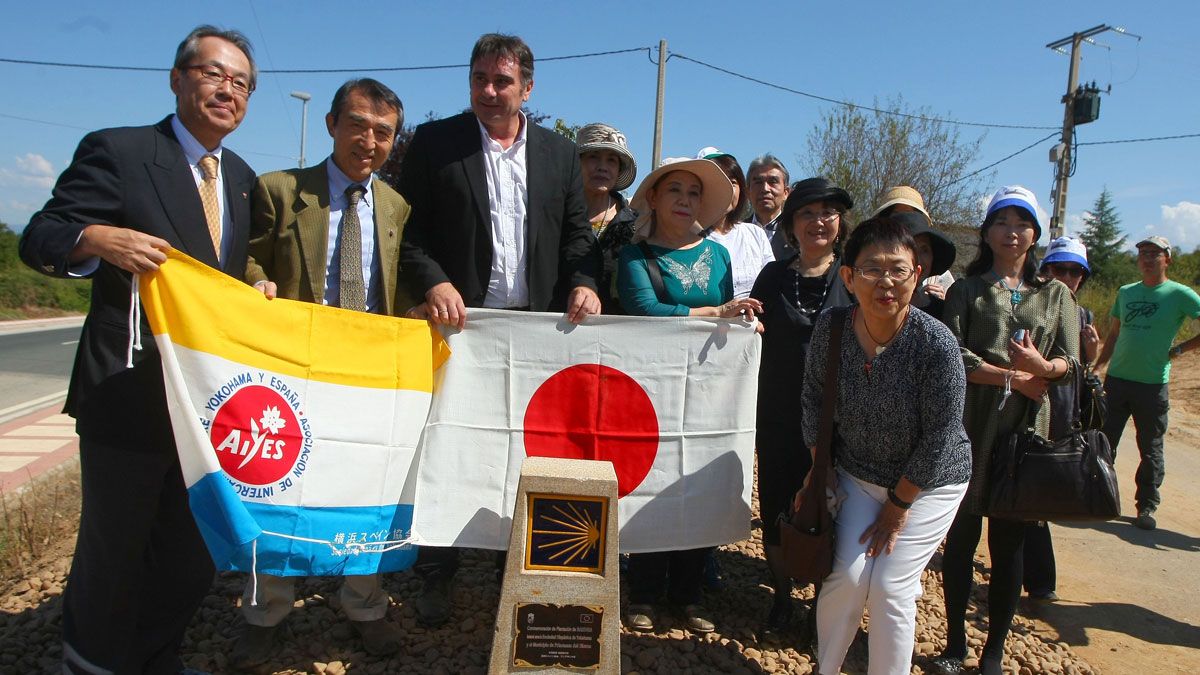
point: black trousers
(1149, 407)
(678, 573)
(141, 568)
(1005, 544)
(1040, 571)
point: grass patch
(37, 517)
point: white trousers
(888, 585)
(363, 598)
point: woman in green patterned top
(1002, 298)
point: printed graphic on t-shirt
(1139, 309)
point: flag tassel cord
(135, 320)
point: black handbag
(806, 534)
(1071, 478)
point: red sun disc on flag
(591, 411)
(256, 436)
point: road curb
(21, 409)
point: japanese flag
(669, 401)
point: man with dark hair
(498, 220)
(1146, 317)
(141, 568)
(769, 188)
(330, 234)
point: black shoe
(254, 647)
(433, 605)
(947, 665)
(1044, 596)
(380, 637)
(1145, 519)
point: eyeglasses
(874, 275)
(1149, 253)
(215, 76)
(1067, 270)
(824, 216)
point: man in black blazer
(498, 220)
(140, 568)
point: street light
(304, 97)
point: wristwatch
(891, 493)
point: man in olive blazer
(305, 223)
(289, 245)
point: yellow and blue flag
(296, 424)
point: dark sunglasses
(1067, 270)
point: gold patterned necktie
(208, 197)
(352, 294)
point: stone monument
(560, 602)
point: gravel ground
(320, 641)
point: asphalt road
(35, 364)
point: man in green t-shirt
(1145, 319)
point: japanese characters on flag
(296, 424)
(670, 401)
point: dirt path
(1130, 599)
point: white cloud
(1180, 225)
(30, 170)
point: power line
(299, 71)
(72, 126)
(53, 124)
(853, 105)
(1141, 140)
(1001, 161)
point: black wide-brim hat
(944, 252)
(809, 190)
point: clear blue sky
(970, 61)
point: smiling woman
(902, 466)
(673, 271)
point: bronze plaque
(566, 533)
(557, 636)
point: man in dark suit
(307, 243)
(498, 220)
(140, 568)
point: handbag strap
(822, 457)
(656, 279)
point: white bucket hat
(714, 201)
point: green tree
(1105, 243)
(569, 131)
(866, 152)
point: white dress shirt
(508, 198)
(193, 151)
(338, 182)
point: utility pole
(304, 97)
(1080, 106)
(658, 109)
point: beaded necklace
(809, 311)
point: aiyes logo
(257, 436)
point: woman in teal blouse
(677, 202)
